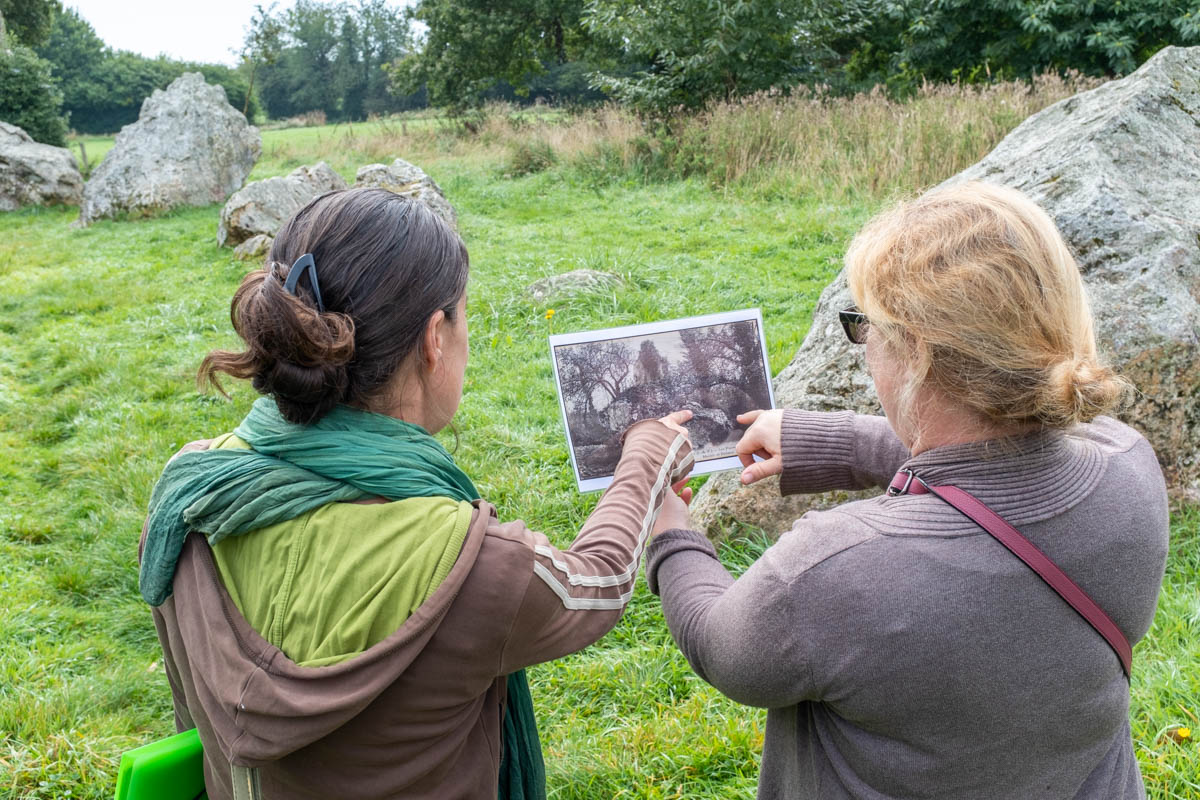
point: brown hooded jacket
(419, 714)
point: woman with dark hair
(965, 635)
(341, 615)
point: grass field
(101, 331)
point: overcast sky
(188, 30)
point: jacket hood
(261, 705)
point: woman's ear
(432, 341)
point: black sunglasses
(854, 323)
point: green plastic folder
(169, 769)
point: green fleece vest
(329, 584)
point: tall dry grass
(866, 145)
(806, 143)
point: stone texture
(35, 174)
(409, 180)
(262, 207)
(256, 247)
(189, 147)
(1118, 168)
(576, 281)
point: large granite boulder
(409, 180)
(35, 174)
(189, 147)
(261, 207)
(1118, 168)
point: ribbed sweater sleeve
(837, 450)
(731, 631)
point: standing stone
(189, 147)
(35, 174)
(409, 180)
(1118, 169)
(254, 247)
(262, 207)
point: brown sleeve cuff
(818, 451)
(667, 544)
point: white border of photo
(649, 329)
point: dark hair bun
(296, 354)
(385, 264)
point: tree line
(349, 60)
(328, 57)
(57, 74)
(662, 56)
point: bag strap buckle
(900, 483)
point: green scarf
(293, 469)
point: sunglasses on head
(854, 323)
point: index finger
(748, 444)
(752, 456)
(679, 417)
(749, 416)
(675, 420)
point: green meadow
(101, 331)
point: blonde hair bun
(1079, 390)
(974, 286)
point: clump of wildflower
(1179, 734)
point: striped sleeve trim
(580, 603)
(629, 574)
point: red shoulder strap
(1027, 551)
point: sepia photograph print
(715, 366)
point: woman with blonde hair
(965, 634)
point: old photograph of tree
(714, 366)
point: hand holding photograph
(714, 366)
